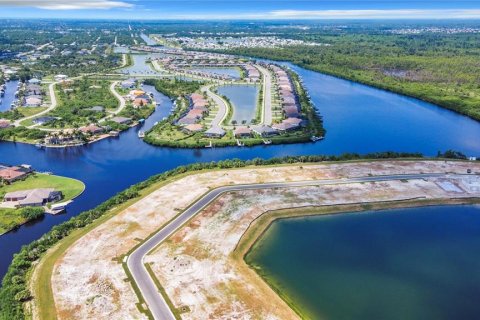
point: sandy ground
(89, 282)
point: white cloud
(377, 14)
(66, 4)
(330, 14)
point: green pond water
(420, 263)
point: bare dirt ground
(194, 267)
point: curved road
(222, 106)
(119, 98)
(53, 104)
(154, 299)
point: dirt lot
(194, 267)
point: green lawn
(10, 218)
(30, 111)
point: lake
(244, 100)
(419, 263)
(357, 118)
(232, 72)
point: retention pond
(419, 263)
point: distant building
(34, 81)
(97, 109)
(128, 84)
(60, 77)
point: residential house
(33, 102)
(33, 197)
(12, 174)
(192, 128)
(121, 120)
(215, 132)
(43, 120)
(92, 129)
(242, 132)
(264, 131)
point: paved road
(267, 96)
(119, 98)
(222, 107)
(53, 104)
(150, 293)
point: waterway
(357, 118)
(412, 264)
(9, 97)
(140, 66)
(244, 100)
(149, 41)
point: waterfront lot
(89, 280)
(10, 218)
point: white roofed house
(215, 132)
(264, 130)
(33, 102)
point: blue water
(9, 97)
(148, 40)
(232, 72)
(140, 67)
(244, 100)
(358, 119)
(411, 264)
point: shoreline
(260, 226)
(63, 200)
(340, 76)
(41, 279)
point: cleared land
(89, 281)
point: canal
(357, 118)
(10, 88)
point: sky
(236, 9)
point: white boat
(267, 141)
(314, 138)
(141, 134)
